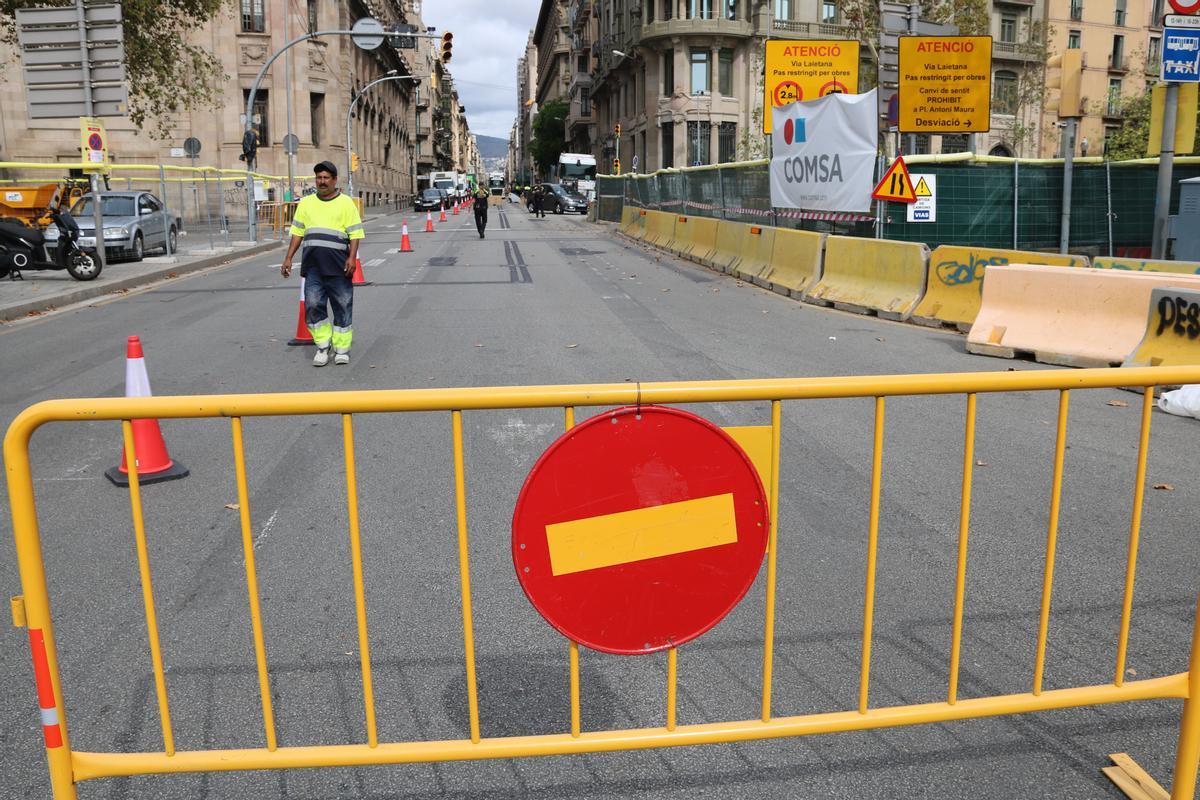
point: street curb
(87, 292)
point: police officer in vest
(329, 225)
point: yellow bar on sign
(628, 536)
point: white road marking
(266, 528)
(375, 262)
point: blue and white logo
(1181, 55)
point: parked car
(559, 200)
(428, 200)
(134, 222)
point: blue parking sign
(1181, 55)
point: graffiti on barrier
(1174, 312)
(953, 273)
(1144, 266)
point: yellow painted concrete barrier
(703, 238)
(1079, 317)
(872, 275)
(728, 247)
(755, 260)
(1172, 336)
(795, 261)
(660, 228)
(1143, 265)
(631, 217)
(680, 237)
(955, 287)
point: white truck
(577, 171)
(446, 181)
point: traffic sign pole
(1166, 164)
(1064, 229)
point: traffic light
(616, 166)
(447, 47)
(353, 161)
(1064, 72)
(249, 148)
(617, 129)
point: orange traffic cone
(359, 278)
(303, 334)
(456, 208)
(442, 218)
(150, 451)
(429, 222)
(405, 244)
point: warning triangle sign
(896, 185)
(922, 189)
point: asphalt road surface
(564, 301)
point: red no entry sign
(639, 529)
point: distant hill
(492, 146)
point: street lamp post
(391, 76)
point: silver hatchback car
(134, 222)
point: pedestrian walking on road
(480, 205)
(539, 201)
(329, 225)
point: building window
(1117, 59)
(1008, 29)
(668, 145)
(581, 63)
(924, 144)
(1114, 97)
(783, 9)
(954, 143)
(699, 61)
(668, 71)
(1076, 10)
(1004, 92)
(1156, 14)
(727, 142)
(668, 9)
(642, 152)
(731, 9)
(700, 9)
(699, 142)
(312, 16)
(253, 17)
(725, 72)
(316, 105)
(1119, 15)
(585, 101)
(829, 12)
(1154, 56)
(1073, 40)
(259, 117)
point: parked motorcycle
(23, 248)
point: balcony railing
(1117, 63)
(1011, 51)
(423, 131)
(801, 28)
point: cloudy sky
(489, 37)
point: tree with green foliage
(549, 135)
(165, 71)
(1131, 140)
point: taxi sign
(945, 84)
(896, 184)
(639, 530)
(805, 69)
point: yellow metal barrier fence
(67, 767)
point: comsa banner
(824, 153)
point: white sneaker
(322, 357)
(341, 359)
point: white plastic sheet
(1184, 401)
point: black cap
(326, 166)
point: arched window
(1004, 92)
(1001, 150)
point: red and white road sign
(639, 529)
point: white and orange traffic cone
(405, 244)
(359, 278)
(442, 217)
(429, 222)
(303, 334)
(153, 463)
(456, 208)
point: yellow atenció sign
(798, 69)
(945, 84)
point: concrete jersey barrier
(1172, 336)
(1142, 265)
(728, 248)
(631, 220)
(865, 275)
(955, 287)
(680, 239)
(1079, 317)
(795, 261)
(660, 228)
(703, 237)
(758, 243)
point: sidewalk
(44, 290)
